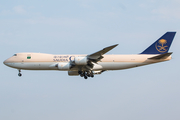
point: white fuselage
(40, 61)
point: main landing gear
(86, 74)
(19, 74)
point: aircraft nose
(5, 62)
(8, 62)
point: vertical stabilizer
(162, 45)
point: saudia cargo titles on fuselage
(96, 63)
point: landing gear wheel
(80, 72)
(91, 74)
(88, 74)
(81, 75)
(19, 74)
(85, 77)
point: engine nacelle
(63, 66)
(73, 73)
(81, 60)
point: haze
(84, 27)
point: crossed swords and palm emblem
(161, 46)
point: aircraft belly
(105, 66)
(100, 66)
(119, 65)
(33, 66)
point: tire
(19, 74)
(85, 77)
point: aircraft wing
(98, 55)
(93, 59)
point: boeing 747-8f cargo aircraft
(96, 63)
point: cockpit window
(15, 55)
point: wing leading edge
(95, 57)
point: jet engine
(81, 60)
(63, 66)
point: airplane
(92, 64)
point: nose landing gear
(19, 74)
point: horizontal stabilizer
(161, 56)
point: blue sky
(84, 27)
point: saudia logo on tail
(161, 45)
